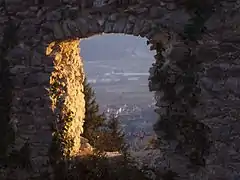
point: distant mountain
(115, 47)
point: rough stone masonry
(46, 71)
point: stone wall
(46, 72)
(66, 93)
(6, 130)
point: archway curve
(54, 66)
(66, 56)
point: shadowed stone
(57, 30)
(52, 31)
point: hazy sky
(113, 47)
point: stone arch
(59, 49)
(48, 79)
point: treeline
(103, 133)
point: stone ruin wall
(66, 90)
(47, 45)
